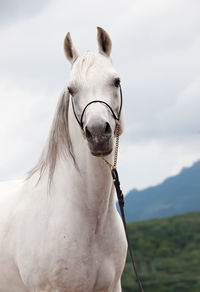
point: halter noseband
(116, 117)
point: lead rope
(120, 197)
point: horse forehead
(91, 67)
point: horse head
(94, 87)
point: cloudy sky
(156, 50)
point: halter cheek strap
(116, 117)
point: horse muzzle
(99, 139)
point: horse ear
(104, 41)
(70, 51)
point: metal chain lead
(121, 199)
(117, 131)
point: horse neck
(88, 180)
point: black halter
(116, 117)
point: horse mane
(58, 142)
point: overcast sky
(156, 50)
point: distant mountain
(176, 195)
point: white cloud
(183, 117)
(23, 129)
(12, 11)
(150, 162)
(156, 48)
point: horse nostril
(108, 128)
(102, 131)
(87, 133)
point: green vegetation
(167, 254)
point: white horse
(59, 230)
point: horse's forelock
(83, 65)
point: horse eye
(71, 91)
(116, 82)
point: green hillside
(167, 254)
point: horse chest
(86, 262)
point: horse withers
(59, 229)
